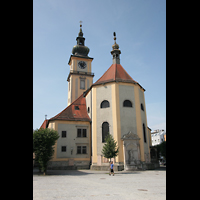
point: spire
(115, 52)
(80, 49)
(80, 34)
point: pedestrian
(111, 168)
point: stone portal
(131, 148)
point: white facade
(157, 137)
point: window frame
(127, 103)
(81, 149)
(105, 127)
(62, 132)
(105, 104)
(63, 147)
(142, 106)
(144, 133)
(80, 133)
(82, 84)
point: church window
(88, 110)
(105, 104)
(81, 149)
(84, 149)
(81, 132)
(142, 107)
(63, 148)
(144, 133)
(105, 131)
(78, 149)
(82, 84)
(64, 134)
(76, 108)
(127, 103)
(84, 133)
(78, 132)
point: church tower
(80, 77)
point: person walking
(111, 168)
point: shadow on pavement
(86, 172)
(61, 172)
(161, 168)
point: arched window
(105, 130)
(142, 107)
(127, 103)
(105, 104)
(144, 133)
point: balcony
(80, 73)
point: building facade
(114, 104)
(158, 136)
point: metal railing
(83, 73)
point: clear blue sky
(140, 27)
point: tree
(43, 141)
(110, 149)
(161, 149)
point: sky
(140, 27)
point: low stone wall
(107, 167)
(64, 165)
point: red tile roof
(72, 114)
(44, 125)
(116, 73)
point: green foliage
(43, 141)
(110, 149)
(161, 149)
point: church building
(114, 104)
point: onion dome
(80, 48)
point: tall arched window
(105, 130)
(105, 104)
(142, 107)
(144, 133)
(127, 103)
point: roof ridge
(115, 73)
(66, 108)
(103, 74)
(127, 73)
(70, 113)
(115, 70)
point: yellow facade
(76, 75)
(54, 125)
(116, 126)
(116, 121)
(94, 127)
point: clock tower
(80, 77)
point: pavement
(98, 185)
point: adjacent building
(158, 136)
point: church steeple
(80, 49)
(80, 76)
(115, 52)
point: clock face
(82, 64)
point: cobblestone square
(88, 184)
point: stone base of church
(118, 167)
(141, 166)
(66, 165)
(134, 166)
